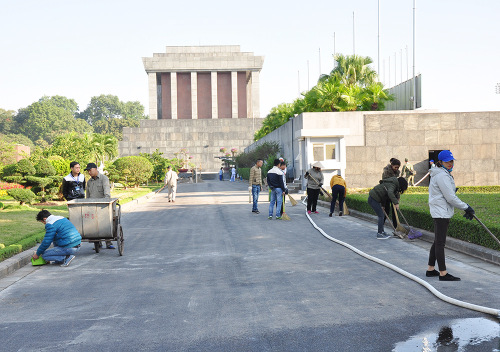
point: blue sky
(81, 49)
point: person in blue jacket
(63, 234)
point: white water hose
(492, 311)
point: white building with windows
(358, 144)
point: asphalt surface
(206, 274)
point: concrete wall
(372, 138)
(202, 138)
(473, 137)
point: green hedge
(22, 245)
(244, 172)
(416, 211)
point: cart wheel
(97, 246)
(120, 240)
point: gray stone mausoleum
(201, 98)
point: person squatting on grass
(276, 186)
(339, 188)
(255, 180)
(313, 187)
(391, 170)
(388, 188)
(442, 204)
(63, 234)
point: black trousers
(437, 250)
(339, 191)
(312, 199)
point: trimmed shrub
(21, 195)
(244, 172)
(263, 151)
(132, 170)
(25, 167)
(44, 168)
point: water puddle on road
(461, 335)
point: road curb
(474, 250)
(10, 265)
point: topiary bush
(44, 168)
(132, 170)
(25, 167)
(21, 195)
(60, 165)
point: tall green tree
(7, 121)
(45, 120)
(108, 115)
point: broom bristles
(292, 200)
(284, 216)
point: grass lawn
(18, 223)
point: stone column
(234, 94)
(153, 96)
(173, 82)
(255, 95)
(215, 112)
(194, 95)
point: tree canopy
(352, 85)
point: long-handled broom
(284, 215)
(292, 200)
(324, 191)
(396, 232)
(412, 234)
(489, 232)
(400, 227)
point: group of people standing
(384, 198)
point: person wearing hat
(171, 182)
(315, 179)
(388, 189)
(98, 187)
(442, 204)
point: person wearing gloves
(313, 187)
(277, 187)
(339, 188)
(388, 189)
(442, 204)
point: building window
(318, 152)
(322, 152)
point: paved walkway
(206, 274)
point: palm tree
(103, 146)
(354, 69)
(374, 97)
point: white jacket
(442, 197)
(171, 178)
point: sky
(81, 49)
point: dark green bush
(132, 170)
(262, 151)
(25, 167)
(21, 195)
(244, 172)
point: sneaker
(308, 212)
(340, 213)
(278, 218)
(270, 218)
(68, 260)
(315, 212)
(383, 236)
(448, 277)
(330, 215)
(431, 273)
(257, 212)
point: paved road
(205, 274)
